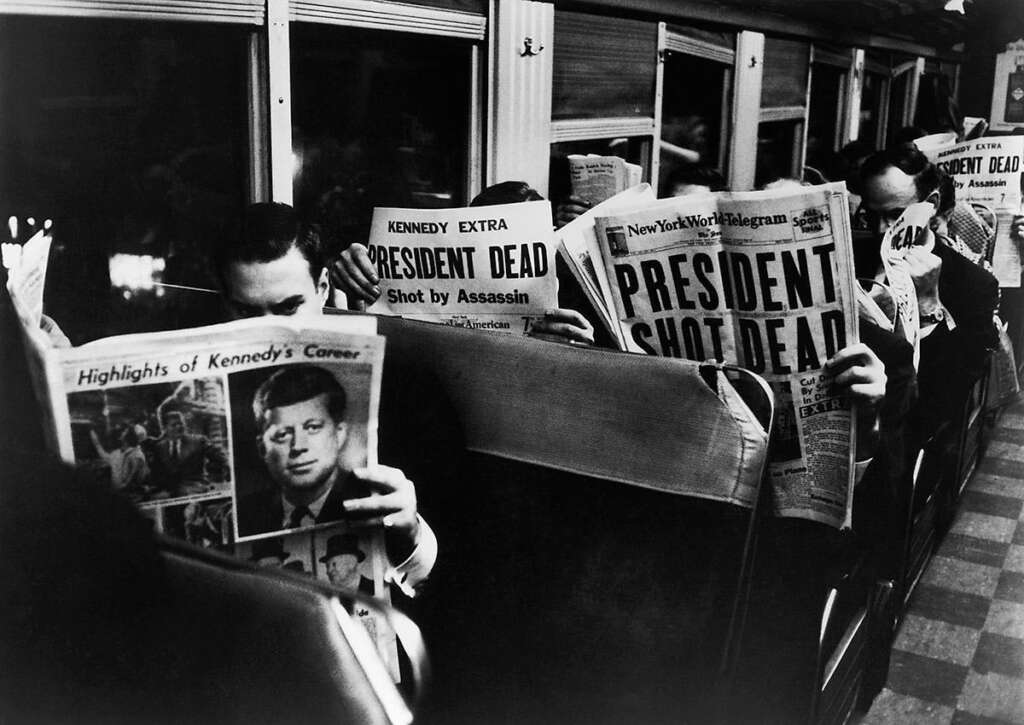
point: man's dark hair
(695, 175)
(294, 384)
(266, 232)
(506, 192)
(908, 158)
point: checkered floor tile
(959, 655)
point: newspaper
(578, 247)
(596, 178)
(908, 231)
(199, 429)
(26, 264)
(484, 268)
(989, 171)
(763, 280)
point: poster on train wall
(990, 171)
(483, 268)
(763, 280)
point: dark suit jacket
(195, 453)
(262, 511)
(952, 360)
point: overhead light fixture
(954, 6)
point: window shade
(603, 67)
(785, 73)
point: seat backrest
(100, 621)
(595, 539)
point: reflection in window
(131, 136)
(635, 150)
(692, 115)
(378, 119)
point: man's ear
(341, 431)
(323, 286)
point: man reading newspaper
(764, 280)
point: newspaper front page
(763, 280)
(200, 429)
(483, 268)
(596, 178)
(907, 232)
(989, 171)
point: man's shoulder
(259, 511)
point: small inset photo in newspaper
(293, 552)
(203, 523)
(300, 430)
(158, 443)
(345, 559)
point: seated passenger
(274, 266)
(957, 299)
(355, 276)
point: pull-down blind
(224, 11)
(603, 67)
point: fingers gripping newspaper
(199, 429)
(484, 268)
(763, 280)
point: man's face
(269, 562)
(300, 444)
(282, 286)
(886, 196)
(174, 427)
(343, 571)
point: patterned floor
(959, 655)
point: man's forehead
(315, 407)
(255, 282)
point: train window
(825, 115)
(696, 101)
(376, 122)
(603, 67)
(132, 137)
(872, 105)
(778, 151)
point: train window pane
(897, 103)
(936, 108)
(777, 145)
(132, 137)
(378, 119)
(636, 150)
(824, 115)
(603, 67)
(785, 73)
(870, 106)
(693, 115)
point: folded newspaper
(759, 279)
(483, 268)
(595, 178)
(200, 429)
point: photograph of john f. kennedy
(301, 429)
